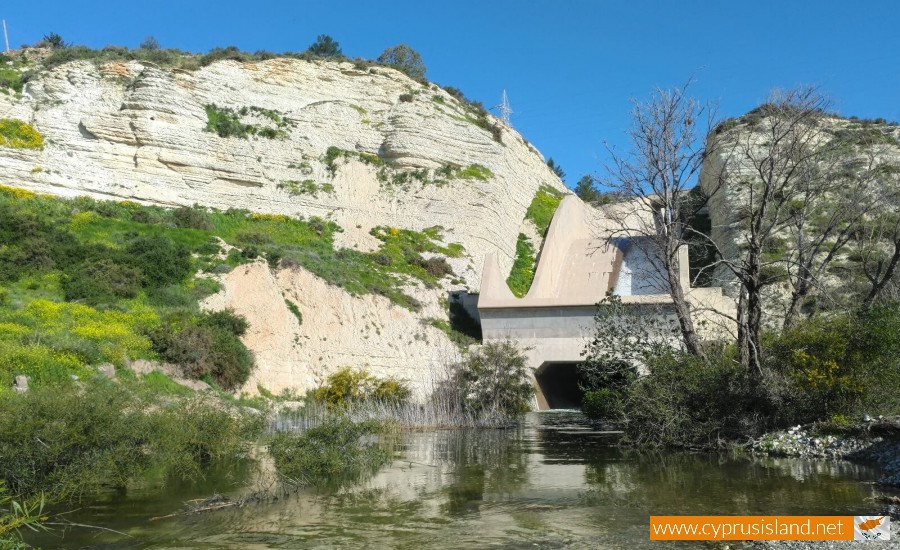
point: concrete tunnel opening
(558, 386)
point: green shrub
(437, 267)
(226, 320)
(605, 382)
(822, 370)
(226, 122)
(55, 41)
(160, 260)
(43, 364)
(369, 158)
(476, 171)
(188, 347)
(221, 54)
(12, 79)
(30, 243)
(149, 43)
(50, 341)
(68, 443)
(685, 402)
(325, 46)
(18, 134)
(602, 404)
(192, 218)
(840, 365)
(207, 346)
(495, 380)
(556, 168)
(406, 98)
(353, 386)
(331, 454)
(626, 336)
(331, 155)
(405, 59)
(102, 282)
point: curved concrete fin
(493, 284)
(567, 226)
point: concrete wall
(641, 272)
(550, 335)
(584, 257)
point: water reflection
(555, 482)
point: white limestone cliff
(133, 131)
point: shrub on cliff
(207, 346)
(54, 41)
(187, 217)
(543, 206)
(405, 59)
(149, 43)
(101, 282)
(160, 260)
(325, 46)
(18, 134)
(522, 273)
(437, 267)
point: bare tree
(769, 171)
(663, 165)
(876, 241)
(834, 193)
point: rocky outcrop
(844, 153)
(334, 329)
(379, 148)
(130, 130)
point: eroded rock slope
(361, 147)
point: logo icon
(871, 528)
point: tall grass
(488, 388)
(439, 412)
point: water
(555, 482)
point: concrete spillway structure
(585, 257)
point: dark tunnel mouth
(559, 384)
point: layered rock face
(133, 131)
(361, 147)
(852, 160)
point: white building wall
(640, 274)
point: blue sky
(570, 67)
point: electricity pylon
(505, 109)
